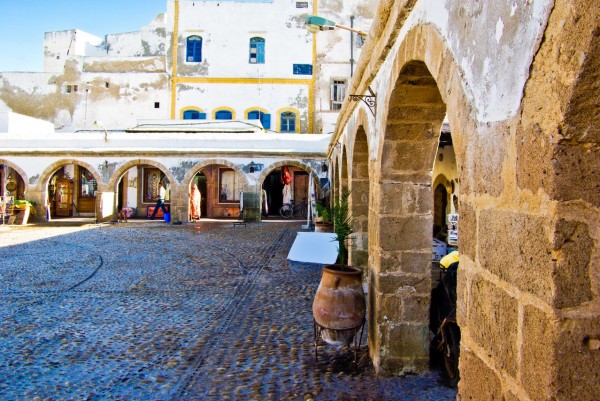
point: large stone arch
(344, 171)
(424, 80)
(359, 186)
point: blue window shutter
(202, 116)
(253, 115)
(223, 115)
(266, 121)
(191, 115)
(257, 50)
(194, 49)
(260, 56)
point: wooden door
(300, 186)
(64, 197)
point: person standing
(162, 193)
(195, 201)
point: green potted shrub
(323, 222)
(339, 306)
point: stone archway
(400, 250)
(359, 199)
(92, 202)
(344, 171)
(262, 181)
(121, 180)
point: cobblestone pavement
(150, 311)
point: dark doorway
(440, 206)
(273, 186)
(200, 180)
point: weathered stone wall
(528, 291)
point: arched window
(193, 115)
(257, 50)
(288, 121)
(194, 49)
(223, 115)
(264, 118)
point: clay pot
(339, 305)
(323, 227)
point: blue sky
(25, 21)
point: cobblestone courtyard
(150, 311)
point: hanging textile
(285, 175)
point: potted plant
(323, 222)
(339, 306)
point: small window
(71, 88)
(223, 115)
(157, 105)
(288, 121)
(107, 85)
(264, 118)
(303, 69)
(257, 51)
(229, 186)
(338, 92)
(194, 49)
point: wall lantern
(314, 24)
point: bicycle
(287, 210)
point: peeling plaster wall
(150, 40)
(62, 45)
(485, 38)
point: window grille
(288, 121)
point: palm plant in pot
(339, 305)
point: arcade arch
(71, 189)
(272, 187)
(136, 187)
(400, 249)
(12, 181)
(220, 183)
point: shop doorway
(273, 187)
(200, 180)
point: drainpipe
(351, 47)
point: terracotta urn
(323, 227)
(339, 305)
